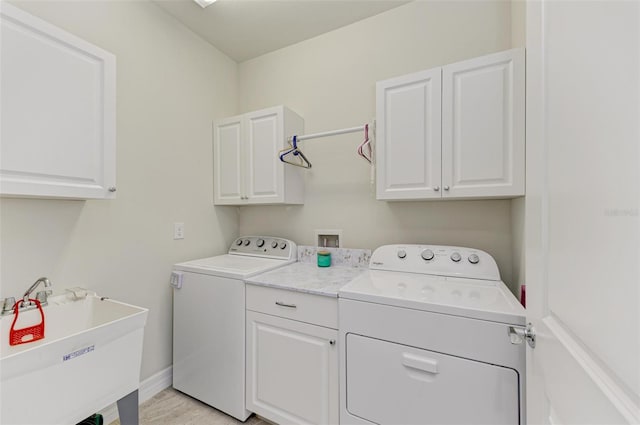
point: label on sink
(78, 353)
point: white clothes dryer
(209, 320)
(431, 335)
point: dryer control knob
(274, 244)
(260, 243)
(247, 242)
(239, 242)
(402, 254)
(456, 257)
(474, 259)
(427, 255)
(283, 245)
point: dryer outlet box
(329, 238)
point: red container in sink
(30, 333)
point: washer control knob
(247, 242)
(427, 255)
(274, 244)
(402, 254)
(474, 259)
(283, 245)
(239, 242)
(456, 257)
(260, 243)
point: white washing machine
(431, 335)
(209, 320)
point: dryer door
(390, 383)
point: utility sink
(89, 358)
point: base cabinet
(292, 370)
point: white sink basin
(89, 358)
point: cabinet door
(292, 370)
(483, 126)
(408, 136)
(265, 173)
(58, 112)
(228, 161)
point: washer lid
(231, 265)
(474, 298)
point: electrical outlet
(178, 230)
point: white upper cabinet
(483, 126)
(247, 168)
(453, 132)
(264, 140)
(58, 112)
(408, 129)
(227, 154)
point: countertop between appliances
(308, 277)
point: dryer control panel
(265, 246)
(439, 260)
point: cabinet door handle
(446, 188)
(112, 189)
(437, 188)
(281, 304)
(332, 342)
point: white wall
(330, 81)
(170, 86)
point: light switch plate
(178, 230)
(176, 280)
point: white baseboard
(148, 388)
(155, 383)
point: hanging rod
(329, 133)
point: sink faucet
(42, 295)
(10, 302)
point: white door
(265, 172)
(58, 108)
(483, 114)
(228, 161)
(292, 370)
(582, 211)
(408, 136)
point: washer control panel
(264, 246)
(440, 260)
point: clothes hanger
(366, 143)
(293, 149)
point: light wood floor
(171, 407)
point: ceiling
(245, 29)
